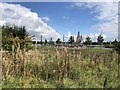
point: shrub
(109, 46)
(117, 47)
(14, 35)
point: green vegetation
(56, 67)
(117, 47)
(61, 68)
(17, 36)
(51, 42)
(100, 39)
(58, 41)
(88, 41)
(71, 40)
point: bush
(117, 47)
(109, 46)
(16, 36)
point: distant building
(79, 39)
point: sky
(55, 19)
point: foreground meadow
(50, 67)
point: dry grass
(61, 66)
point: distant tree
(88, 41)
(58, 41)
(100, 39)
(34, 42)
(63, 41)
(51, 41)
(79, 38)
(115, 41)
(94, 43)
(71, 40)
(41, 42)
(46, 41)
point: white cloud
(68, 36)
(107, 15)
(46, 19)
(19, 15)
(92, 36)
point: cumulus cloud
(22, 16)
(68, 36)
(46, 19)
(107, 15)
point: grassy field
(49, 67)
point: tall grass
(59, 68)
(0, 58)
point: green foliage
(14, 35)
(117, 47)
(109, 46)
(88, 41)
(61, 68)
(58, 41)
(51, 41)
(115, 41)
(100, 39)
(71, 40)
(46, 41)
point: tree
(115, 41)
(117, 47)
(45, 41)
(58, 41)
(17, 36)
(71, 40)
(41, 42)
(100, 39)
(79, 38)
(88, 40)
(51, 41)
(63, 40)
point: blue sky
(53, 19)
(63, 17)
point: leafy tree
(17, 36)
(58, 41)
(115, 41)
(71, 40)
(100, 39)
(51, 41)
(46, 41)
(88, 41)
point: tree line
(71, 40)
(18, 36)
